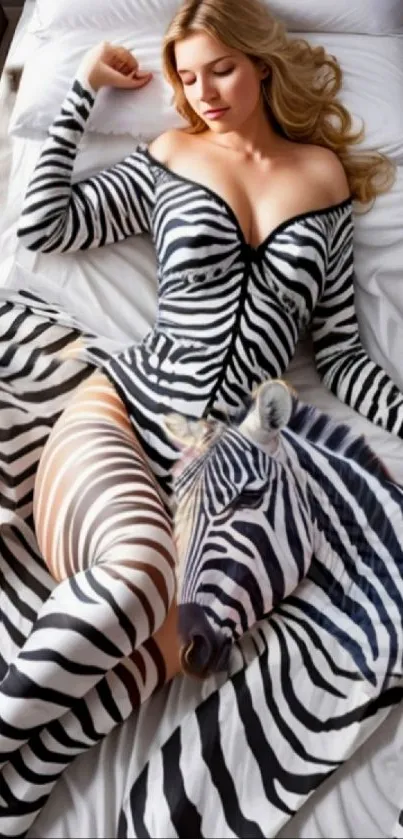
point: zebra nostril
(204, 651)
(196, 656)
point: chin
(218, 129)
(221, 126)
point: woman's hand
(110, 65)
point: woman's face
(221, 84)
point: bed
(148, 777)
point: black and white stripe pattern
(329, 659)
(260, 743)
(105, 209)
(59, 694)
(258, 508)
(229, 315)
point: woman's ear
(264, 70)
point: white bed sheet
(110, 284)
(113, 290)
(361, 800)
(115, 294)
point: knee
(145, 563)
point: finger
(123, 51)
(128, 58)
(131, 82)
(120, 61)
(142, 74)
(130, 69)
(123, 67)
(142, 82)
(114, 78)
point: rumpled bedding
(239, 757)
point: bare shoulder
(164, 147)
(326, 173)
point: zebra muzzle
(203, 651)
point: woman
(250, 208)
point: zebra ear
(185, 432)
(271, 411)
(274, 404)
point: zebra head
(242, 525)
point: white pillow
(143, 113)
(373, 88)
(359, 16)
(55, 16)
(366, 17)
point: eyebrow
(209, 63)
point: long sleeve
(342, 363)
(60, 216)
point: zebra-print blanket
(227, 764)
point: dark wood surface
(10, 13)
(3, 21)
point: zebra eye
(248, 498)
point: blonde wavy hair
(300, 92)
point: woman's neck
(256, 140)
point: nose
(204, 651)
(206, 91)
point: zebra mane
(320, 428)
(317, 427)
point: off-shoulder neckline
(219, 199)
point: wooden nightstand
(10, 11)
(3, 22)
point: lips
(215, 112)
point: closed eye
(187, 82)
(222, 72)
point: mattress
(115, 294)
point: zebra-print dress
(229, 314)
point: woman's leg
(106, 537)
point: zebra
(282, 494)
(287, 525)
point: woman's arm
(58, 216)
(342, 363)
